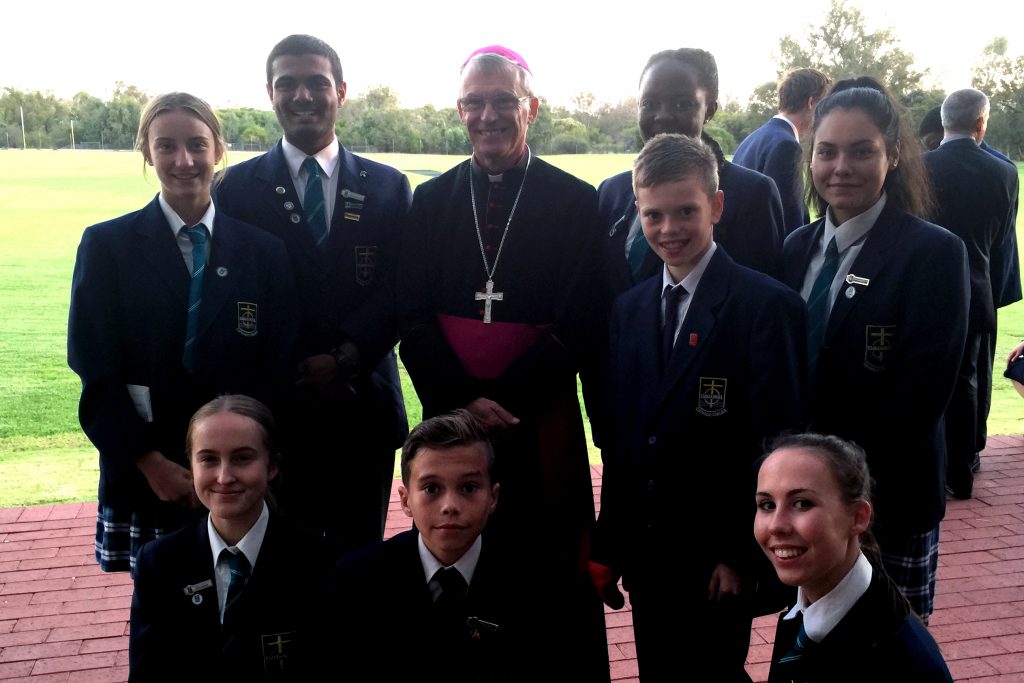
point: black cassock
(549, 324)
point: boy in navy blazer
(347, 414)
(442, 583)
(706, 362)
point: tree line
(841, 46)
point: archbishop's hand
(170, 481)
(491, 415)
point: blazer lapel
(795, 269)
(871, 259)
(349, 203)
(161, 252)
(277, 189)
(698, 324)
(198, 571)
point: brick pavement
(62, 620)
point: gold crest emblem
(366, 263)
(877, 345)
(247, 326)
(711, 399)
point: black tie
(672, 297)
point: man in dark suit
(976, 194)
(339, 216)
(707, 360)
(774, 148)
(449, 589)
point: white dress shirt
(466, 565)
(328, 158)
(825, 614)
(180, 237)
(248, 546)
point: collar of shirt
(826, 613)
(465, 564)
(250, 543)
(792, 125)
(853, 230)
(958, 136)
(327, 158)
(175, 221)
(693, 278)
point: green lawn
(47, 198)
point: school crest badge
(247, 322)
(276, 649)
(366, 263)
(711, 399)
(878, 346)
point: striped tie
(818, 305)
(313, 202)
(199, 236)
(238, 566)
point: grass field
(47, 198)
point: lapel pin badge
(222, 271)
(362, 174)
(279, 189)
(193, 589)
(295, 218)
(693, 339)
(851, 292)
(288, 206)
(197, 599)
(852, 279)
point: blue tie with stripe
(199, 236)
(238, 566)
(818, 305)
(313, 202)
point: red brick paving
(63, 620)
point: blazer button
(652, 440)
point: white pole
(24, 141)
(72, 134)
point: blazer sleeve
(149, 638)
(783, 165)
(106, 411)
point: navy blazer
(773, 150)
(129, 300)
(277, 631)
(751, 228)
(346, 288)
(384, 586)
(890, 359)
(976, 195)
(690, 433)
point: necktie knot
(197, 234)
(453, 585)
(312, 167)
(313, 202)
(672, 296)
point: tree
(842, 47)
(1001, 77)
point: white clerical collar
(852, 230)
(499, 177)
(175, 221)
(792, 125)
(465, 564)
(825, 613)
(295, 157)
(250, 543)
(692, 279)
(950, 137)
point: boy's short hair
(458, 428)
(299, 44)
(669, 157)
(800, 86)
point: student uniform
(276, 631)
(889, 360)
(683, 440)
(345, 440)
(383, 592)
(879, 638)
(751, 228)
(126, 335)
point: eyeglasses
(503, 103)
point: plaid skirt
(912, 562)
(121, 533)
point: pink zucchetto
(508, 54)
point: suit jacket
(976, 195)
(751, 228)
(879, 639)
(890, 359)
(277, 631)
(691, 432)
(773, 150)
(346, 288)
(385, 586)
(129, 300)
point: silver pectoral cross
(487, 297)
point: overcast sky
(217, 50)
